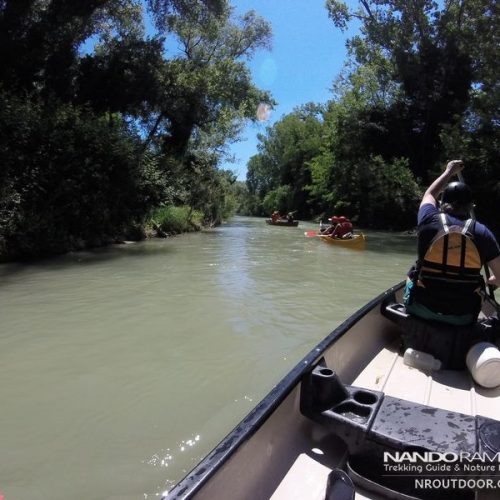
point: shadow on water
(99, 255)
(89, 257)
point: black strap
(444, 223)
(445, 252)
(463, 240)
(428, 266)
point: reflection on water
(122, 367)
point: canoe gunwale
(208, 467)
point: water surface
(121, 368)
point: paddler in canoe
(446, 284)
(277, 219)
(340, 233)
(340, 228)
(275, 216)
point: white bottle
(421, 360)
(483, 361)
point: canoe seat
(448, 343)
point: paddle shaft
(491, 288)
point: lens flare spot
(263, 112)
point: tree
(283, 159)
(91, 143)
(123, 76)
(208, 88)
(72, 179)
(40, 39)
(433, 52)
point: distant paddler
(275, 216)
(340, 228)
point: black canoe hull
(283, 223)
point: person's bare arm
(336, 231)
(431, 194)
(494, 265)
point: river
(122, 367)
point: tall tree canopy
(284, 153)
(438, 54)
(101, 123)
(209, 87)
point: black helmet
(457, 192)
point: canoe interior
(279, 453)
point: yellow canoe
(357, 242)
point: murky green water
(121, 368)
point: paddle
(491, 288)
(311, 234)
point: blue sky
(308, 52)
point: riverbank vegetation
(111, 131)
(421, 87)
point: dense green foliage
(422, 87)
(99, 129)
(106, 130)
(277, 173)
(69, 178)
(175, 220)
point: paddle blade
(311, 234)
